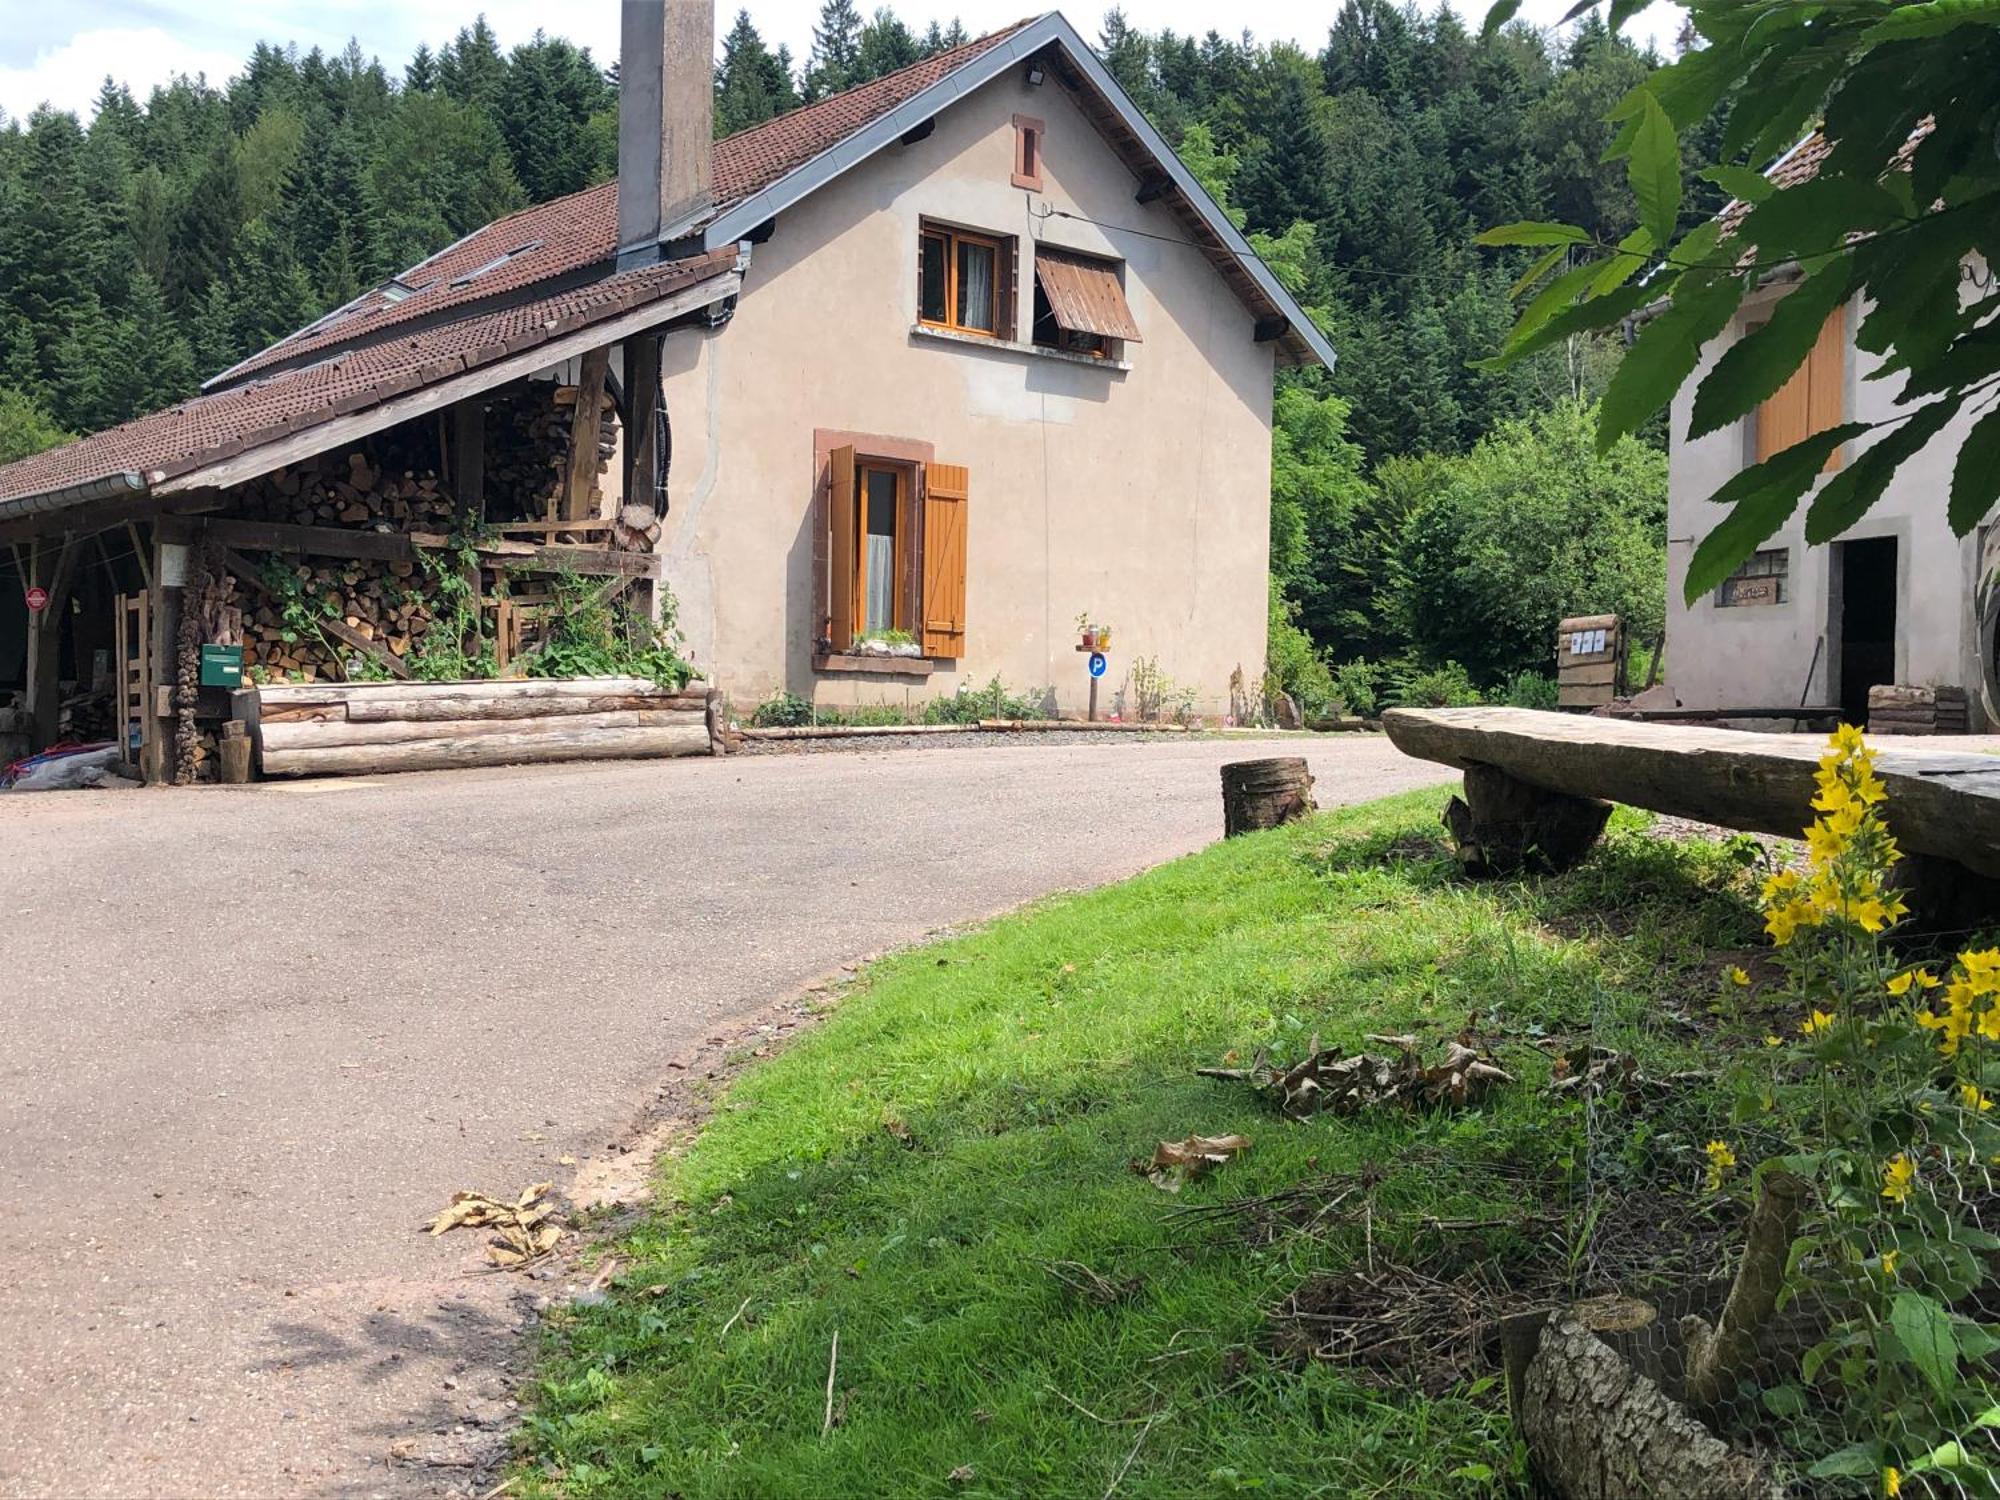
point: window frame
(1774, 563)
(952, 237)
(1030, 137)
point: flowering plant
(1885, 1098)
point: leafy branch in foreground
(1907, 192)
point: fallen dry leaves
(1175, 1163)
(525, 1229)
(1327, 1081)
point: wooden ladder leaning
(132, 629)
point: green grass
(904, 1173)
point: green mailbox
(222, 666)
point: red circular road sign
(38, 599)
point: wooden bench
(1538, 787)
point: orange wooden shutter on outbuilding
(1813, 400)
(840, 510)
(946, 487)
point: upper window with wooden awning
(1813, 400)
(1080, 304)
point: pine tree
(155, 366)
(545, 111)
(751, 83)
(836, 50)
(886, 45)
(51, 251)
(471, 69)
(1286, 178)
(204, 227)
(421, 76)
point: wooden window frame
(1003, 279)
(1030, 136)
(878, 450)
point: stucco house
(1897, 599)
(909, 378)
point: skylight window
(497, 261)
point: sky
(60, 54)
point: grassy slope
(1026, 1064)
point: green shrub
(1529, 690)
(1354, 685)
(1292, 664)
(782, 710)
(994, 701)
(1447, 686)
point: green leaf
(1932, 19)
(1784, 1401)
(1544, 264)
(1754, 367)
(1817, 216)
(1763, 497)
(1923, 1331)
(1850, 494)
(1654, 168)
(1741, 182)
(1533, 232)
(1855, 1460)
(1665, 354)
(1582, 317)
(1625, 262)
(1501, 13)
(1975, 480)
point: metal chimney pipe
(666, 107)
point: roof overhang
(740, 219)
(383, 407)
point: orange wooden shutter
(841, 549)
(1781, 420)
(1826, 390)
(945, 489)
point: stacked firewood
(527, 447)
(382, 602)
(349, 489)
(1918, 710)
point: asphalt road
(256, 1036)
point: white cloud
(69, 75)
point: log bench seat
(1539, 785)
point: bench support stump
(1505, 826)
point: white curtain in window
(881, 582)
(975, 286)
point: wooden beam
(247, 573)
(586, 419)
(642, 428)
(53, 566)
(468, 446)
(1154, 189)
(1269, 330)
(311, 541)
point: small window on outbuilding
(1763, 579)
(1028, 132)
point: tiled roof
(213, 427)
(1801, 165)
(397, 337)
(567, 235)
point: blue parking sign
(1097, 664)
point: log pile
(361, 728)
(1917, 710)
(527, 446)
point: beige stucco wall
(1742, 656)
(1141, 496)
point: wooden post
(1503, 825)
(468, 463)
(52, 566)
(642, 422)
(585, 420)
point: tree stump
(1504, 826)
(1264, 793)
(1596, 1429)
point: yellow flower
(1897, 1178)
(1892, 1481)
(1738, 976)
(1872, 914)
(1989, 1024)
(1778, 1041)
(1815, 1023)
(1920, 978)
(1847, 739)
(1781, 884)
(1823, 845)
(1971, 1098)
(1890, 1260)
(1720, 1160)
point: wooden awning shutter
(946, 487)
(840, 553)
(1084, 295)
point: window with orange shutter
(1813, 400)
(895, 547)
